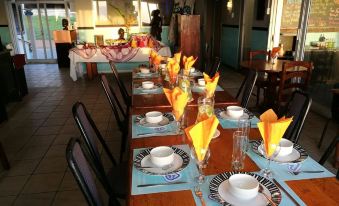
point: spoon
(199, 194)
(261, 190)
(306, 171)
(166, 167)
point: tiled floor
(40, 126)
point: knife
(285, 191)
(162, 184)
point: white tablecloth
(142, 55)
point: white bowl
(235, 111)
(201, 82)
(144, 70)
(80, 46)
(243, 186)
(192, 69)
(162, 156)
(163, 66)
(153, 117)
(147, 85)
(286, 147)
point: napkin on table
(211, 84)
(188, 63)
(178, 100)
(272, 129)
(201, 135)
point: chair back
(121, 86)
(259, 54)
(298, 108)
(249, 83)
(295, 75)
(82, 173)
(90, 135)
(214, 67)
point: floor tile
(69, 198)
(22, 167)
(41, 140)
(56, 151)
(12, 185)
(64, 138)
(40, 199)
(43, 183)
(52, 165)
(68, 182)
(32, 152)
(7, 201)
(55, 121)
(48, 130)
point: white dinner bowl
(144, 70)
(80, 46)
(192, 69)
(147, 85)
(201, 82)
(162, 156)
(154, 117)
(286, 147)
(243, 186)
(235, 111)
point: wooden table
(322, 191)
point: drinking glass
(273, 58)
(206, 153)
(266, 172)
(244, 125)
(205, 108)
(172, 80)
(185, 84)
(181, 122)
(240, 145)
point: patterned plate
(219, 112)
(167, 119)
(218, 191)
(298, 154)
(181, 160)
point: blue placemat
(231, 124)
(198, 89)
(285, 201)
(137, 90)
(139, 131)
(280, 170)
(186, 175)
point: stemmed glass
(181, 122)
(266, 172)
(273, 58)
(205, 108)
(206, 153)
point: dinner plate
(298, 153)
(143, 162)
(224, 115)
(166, 120)
(155, 87)
(219, 191)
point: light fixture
(229, 5)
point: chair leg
(258, 95)
(323, 133)
(329, 150)
(3, 158)
(240, 89)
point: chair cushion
(118, 176)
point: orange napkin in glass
(275, 51)
(155, 57)
(178, 100)
(188, 63)
(211, 84)
(173, 68)
(201, 135)
(177, 57)
(272, 129)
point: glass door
(34, 24)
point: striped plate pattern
(144, 153)
(217, 180)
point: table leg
(89, 70)
(94, 69)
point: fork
(198, 193)
(306, 171)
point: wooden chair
(213, 67)
(249, 83)
(295, 75)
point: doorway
(33, 25)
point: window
(127, 12)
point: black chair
(121, 116)
(213, 67)
(90, 134)
(297, 107)
(329, 151)
(247, 89)
(122, 88)
(77, 162)
(334, 112)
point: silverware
(285, 191)
(198, 193)
(307, 171)
(162, 184)
(261, 190)
(153, 133)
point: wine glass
(206, 153)
(266, 172)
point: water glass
(205, 108)
(244, 125)
(240, 142)
(185, 84)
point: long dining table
(315, 191)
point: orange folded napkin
(155, 57)
(211, 84)
(275, 51)
(173, 68)
(272, 130)
(177, 57)
(178, 100)
(188, 63)
(201, 135)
